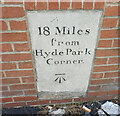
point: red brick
(107, 52)
(2, 74)
(116, 43)
(101, 81)
(100, 93)
(6, 100)
(114, 60)
(88, 4)
(42, 102)
(12, 12)
(13, 2)
(117, 80)
(0, 12)
(77, 4)
(21, 47)
(0, 81)
(118, 32)
(16, 57)
(6, 47)
(10, 81)
(27, 98)
(18, 25)
(109, 34)
(90, 98)
(97, 75)
(108, 87)
(85, 99)
(12, 37)
(19, 73)
(99, 98)
(109, 22)
(111, 74)
(29, 5)
(113, 92)
(7, 66)
(105, 68)
(3, 26)
(23, 65)
(9, 105)
(22, 86)
(30, 92)
(64, 4)
(3, 88)
(1, 106)
(0, 39)
(12, 93)
(0, 48)
(100, 61)
(61, 101)
(105, 43)
(0, 66)
(111, 11)
(78, 99)
(1, 69)
(27, 79)
(53, 5)
(99, 5)
(94, 88)
(41, 4)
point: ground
(70, 109)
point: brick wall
(17, 73)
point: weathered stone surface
(63, 45)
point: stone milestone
(63, 46)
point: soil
(70, 109)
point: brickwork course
(17, 75)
